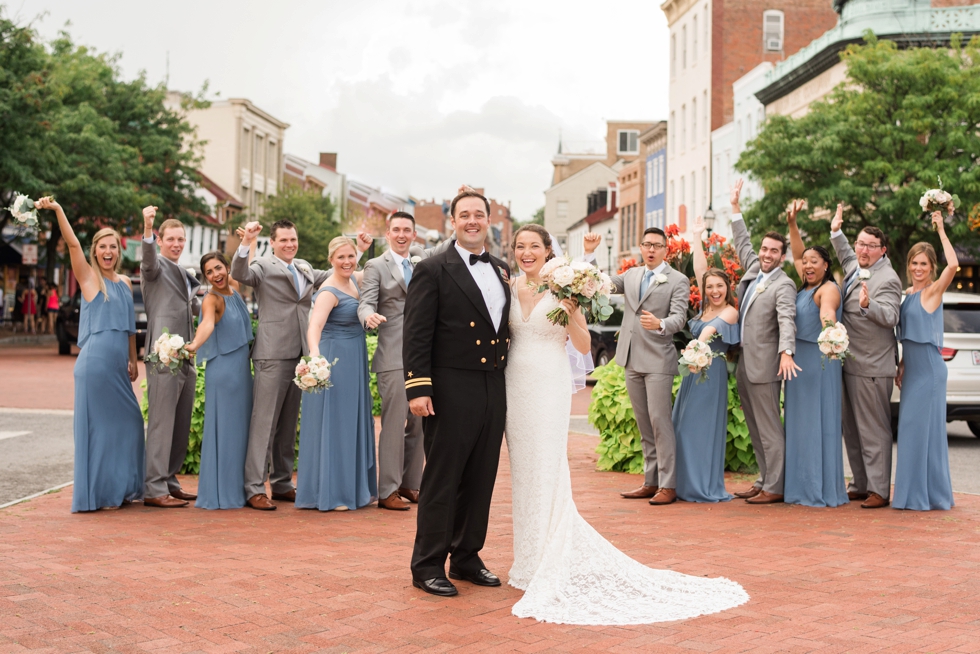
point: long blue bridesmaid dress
(336, 438)
(814, 446)
(922, 479)
(227, 408)
(108, 424)
(700, 419)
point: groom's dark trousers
(453, 354)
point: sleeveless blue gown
(336, 438)
(227, 408)
(814, 446)
(700, 419)
(108, 424)
(922, 479)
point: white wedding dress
(569, 572)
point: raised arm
(79, 265)
(743, 242)
(795, 240)
(843, 250)
(937, 288)
(325, 302)
(700, 258)
(150, 264)
(241, 268)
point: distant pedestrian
(28, 307)
(108, 424)
(53, 304)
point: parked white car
(961, 352)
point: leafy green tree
(315, 216)
(536, 219)
(901, 120)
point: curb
(31, 497)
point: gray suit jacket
(645, 350)
(165, 296)
(872, 330)
(283, 314)
(769, 324)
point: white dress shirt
(485, 277)
(398, 262)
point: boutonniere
(660, 279)
(415, 259)
(864, 274)
(504, 275)
(761, 288)
(304, 268)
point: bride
(569, 572)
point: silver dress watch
(789, 352)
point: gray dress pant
(760, 403)
(400, 453)
(272, 430)
(650, 396)
(171, 401)
(867, 418)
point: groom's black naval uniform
(453, 354)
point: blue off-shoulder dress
(336, 438)
(227, 408)
(814, 449)
(700, 419)
(922, 479)
(108, 424)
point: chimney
(329, 160)
(611, 203)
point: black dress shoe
(482, 578)
(436, 586)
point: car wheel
(602, 359)
(974, 426)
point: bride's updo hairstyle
(337, 243)
(541, 232)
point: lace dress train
(569, 572)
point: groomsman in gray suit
(656, 298)
(872, 297)
(384, 288)
(169, 296)
(284, 286)
(767, 316)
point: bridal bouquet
(834, 342)
(580, 281)
(936, 199)
(168, 353)
(696, 358)
(23, 210)
(313, 374)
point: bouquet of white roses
(696, 358)
(578, 280)
(313, 374)
(834, 342)
(23, 210)
(168, 353)
(936, 199)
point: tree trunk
(52, 250)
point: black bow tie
(485, 258)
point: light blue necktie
(645, 284)
(407, 271)
(292, 269)
(851, 279)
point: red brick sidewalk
(142, 579)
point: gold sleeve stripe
(418, 379)
(418, 382)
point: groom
(455, 349)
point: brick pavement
(142, 579)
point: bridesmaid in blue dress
(337, 468)
(700, 413)
(108, 424)
(922, 478)
(221, 343)
(814, 447)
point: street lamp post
(609, 246)
(709, 220)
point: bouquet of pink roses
(936, 199)
(696, 358)
(578, 280)
(313, 374)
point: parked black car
(67, 324)
(606, 333)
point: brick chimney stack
(329, 160)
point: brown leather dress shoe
(641, 493)
(752, 492)
(409, 494)
(765, 498)
(181, 495)
(664, 496)
(164, 502)
(854, 496)
(260, 503)
(289, 496)
(393, 503)
(874, 501)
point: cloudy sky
(417, 96)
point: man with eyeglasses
(872, 297)
(656, 298)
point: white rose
(323, 374)
(838, 347)
(761, 287)
(836, 335)
(703, 360)
(864, 274)
(590, 287)
(415, 259)
(165, 358)
(308, 380)
(176, 342)
(563, 276)
(581, 265)
(825, 347)
(550, 266)
(660, 279)
(924, 202)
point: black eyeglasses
(652, 246)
